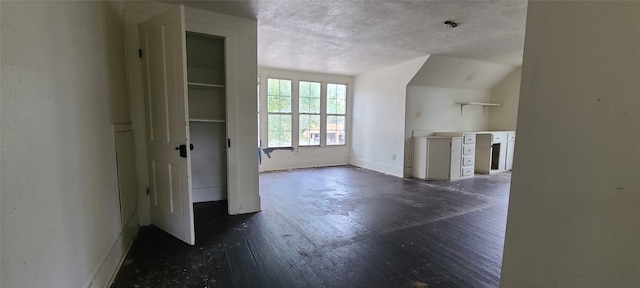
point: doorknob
(183, 150)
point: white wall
(433, 109)
(303, 157)
(62, 86)
(575, 199)
(378, 117)
(507, 93)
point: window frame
(319, 114)
(290, 113)
(327, 114)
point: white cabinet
(483, 152)
(467, 162)
(511, 143)
(437, 158)
(494, 151)
(419, 169)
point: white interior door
(162, 39)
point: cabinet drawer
(469, 139)
(511, 137)
(467, 171)
(497, 137)
(467, 160)
(468, 149)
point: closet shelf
(206, 120)
(205, 85)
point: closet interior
(207, 116)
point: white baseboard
(108, 268)
(379, 167)
(271, 165)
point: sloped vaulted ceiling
(460, 73)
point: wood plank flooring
(336, 227)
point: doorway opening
(207, 116)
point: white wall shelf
(206, 120)
(483, 104)
(478, 103)
(205, 85)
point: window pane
(332, 105)
(273, 105)
(285, 87)
(341, 91)
(279, 134)
(314, 105)
(314, 90)
(273, 85)
(304, 105)
(341, 106)
(279, 95)
(336, 99)
(284, 104)
(331, 99)
(258, 101)
(336, 130)
(309, 130)
(309, 97)
(331, 90)
(304, 89)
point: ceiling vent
(451, 24)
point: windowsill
(318, 146)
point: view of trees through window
(309, 113)
(279, 112)
(316, 125)
(336, 113)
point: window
(258, 97)
(336, 114)
(309, 113)
(279, 112)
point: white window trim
(298, 113)
(346, 112)
(293, 110)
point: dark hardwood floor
(336, 227)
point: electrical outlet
(393, 157)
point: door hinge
(148, 190)
(229, 142)
(139, 53)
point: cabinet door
(439, 158)
(163, 42)
(483, 153)
(419, 169)
(456, 158)
(510, 148)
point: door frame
(229, 36)
(247, 198)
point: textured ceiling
(351, 37)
